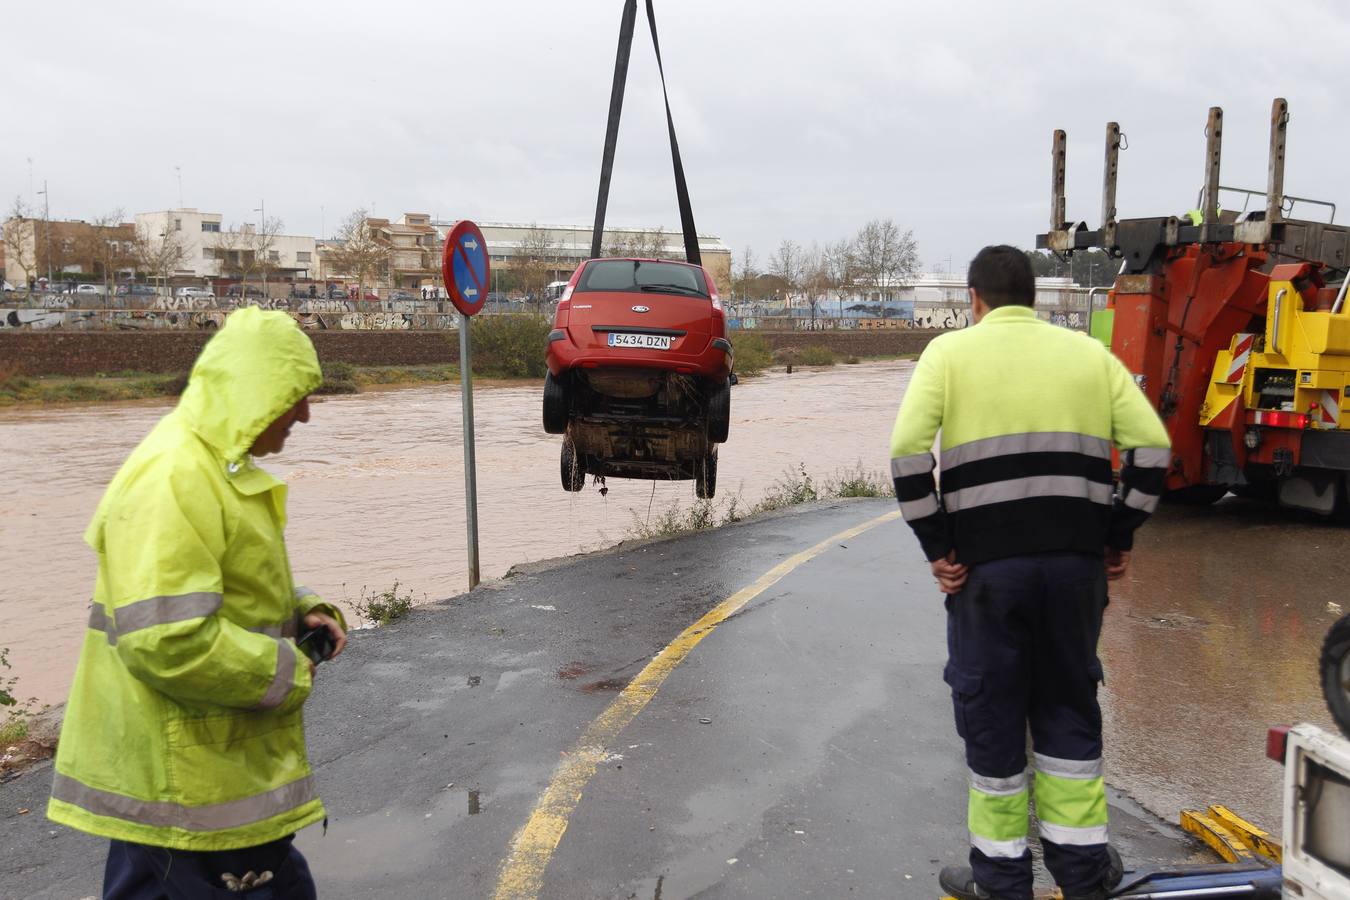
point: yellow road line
(522, 874)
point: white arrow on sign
(471, 292)
(471, 244)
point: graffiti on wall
(941, 317)
(35, 318)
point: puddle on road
(1214, 637)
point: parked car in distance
(194, 293)
(89, 289)
(136, 290)
(639, 373)
(236, 290)
(404, 295)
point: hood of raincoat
(257, 366)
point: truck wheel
(1336, 673)
(719, 413)
(705, 477)
(573, 468)
(1196, 495)
(555, 404)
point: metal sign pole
(466, 270)
(470, 472)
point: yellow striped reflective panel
(216, 817)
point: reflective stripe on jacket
(184, 725)
(1028, 414)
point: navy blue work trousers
(141, 872)
(1022, 645)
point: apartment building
(211, 251)
(37, 248)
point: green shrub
(815, 355)
(792, 489)
(384, 607)
(753, 355)
(509, 346)
(338, 378)
(859, 483)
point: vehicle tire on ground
(1335, 671)
(719, 413)
(705, 476)
(573, 468)
(1196, 495)
(555, 404)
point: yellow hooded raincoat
(184, 726)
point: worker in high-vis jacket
(1028, 527)
(183, 741)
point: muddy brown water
(1213, 636)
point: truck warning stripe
(1242, 354)
(1330, 411)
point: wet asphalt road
(827, 765)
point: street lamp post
(264, 246)
(47, 229)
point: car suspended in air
(639, 373)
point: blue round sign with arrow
(465, 267)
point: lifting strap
(691, 251)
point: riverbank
(339, 378)
(17, 390)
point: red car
(639, 373)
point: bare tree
(159, 254)
(841, 266)
(743, 275)
(886, 255)
(360, 253)
(20, 253)
(815, 278)
(247, 252)
(786, 264)
(104, 248)
(536, 260)
(640, 244)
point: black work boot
(1114, 873)
(959, 882)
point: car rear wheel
(1336, 673)
(555, 405)
(573, 468)
(719, 413)
(705, 477)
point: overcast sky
(796, 119)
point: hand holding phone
(317, 644)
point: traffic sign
(465, 268)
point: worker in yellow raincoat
(183, 740)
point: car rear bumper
(700, 355)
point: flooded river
(1214, 637)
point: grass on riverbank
(793, 489)
(339, 378)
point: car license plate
(645, 341)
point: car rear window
(638, 275)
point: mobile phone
(317, 644)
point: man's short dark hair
(1002, 276)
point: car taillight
(566, 295)
(1277, 740)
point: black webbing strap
(691, 251)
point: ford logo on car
(641, 309)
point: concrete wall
(92, 353)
